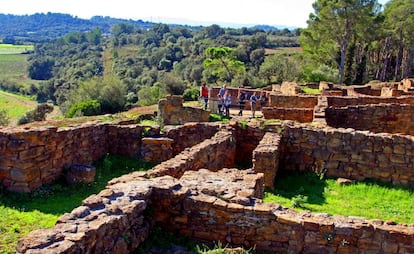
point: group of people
(224, 100)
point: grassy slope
(15, 105)
(366, 199)
(13, 64)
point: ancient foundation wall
(292, 101)
(171, 111)
(390, 118)
(210, 206)
(213, 154)
(189, 134)
(338, 101)
(266, 158)
(348, 153)
(302, 115)
(30, 158)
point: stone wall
(289, 88)
(213, 154)
(348, 153)
(30, 158)
(266, 158)
(189, 134)
(390, 118)
(338, 101)
(302, 115)
(171, 111)
(209, 206)
(292, 101)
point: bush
(191, 94)
(38, 114)
(4, 117)
(85, 108)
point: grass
(309, 90)
(163, 241)
(21, 213)
(371, 200)
(7, 49)
(14, 68)
(16, 106)
(218, 118)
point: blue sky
(289, 13)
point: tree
(109, 91)
(222, 64)
(41, 69)
(277, 68)
(399, 23)
(333, 25)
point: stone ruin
(196, 191)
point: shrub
(38, 114)
(191, 94)
(4, 117)
(86, 108)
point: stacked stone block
(389, 118)
(30, 158)
(266, 158)
(209, 206)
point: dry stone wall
(210, 206)
(266, 158)
(348, 153)
(213, 154)
(30, 158)
(302, 115)
(339, 101)
(389, 118)
(172, 112)
(189, 134)
(292, 101)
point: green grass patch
(309, 90)
(21, 213)
(16, 105)
(218, 118)
(14, 68)
(6, 49)
(371, 200)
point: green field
(16, 106)
(7, 49)
(14, 66)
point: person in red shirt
(204, 94)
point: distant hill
(45, 27)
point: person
(219, 104)
(223, 90)
(263, 99)
(204, 94)
(253, 99)
(227, 102)
(220, 97)
(242, 97)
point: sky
(230, 13)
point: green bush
(85, 108)
(191, 94)
(4, 117)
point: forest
(105, 71)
